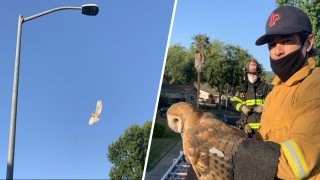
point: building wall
(181, 97)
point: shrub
(159, 130)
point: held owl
(208, 143)
(96, 115)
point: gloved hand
(247, 129)
(258, 109)
(260, 158)
(245, 109)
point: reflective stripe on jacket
(254, 125)
(291, 117)
(251, 95)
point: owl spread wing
(210, 146)
(96, 115)
(99, 106)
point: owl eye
(175, 119)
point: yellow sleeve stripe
(295, 159)
(300, 157)
(252, 102)
(236, 99)
(254, 125)
(238, 106)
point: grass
(159, 148)
(168, 133)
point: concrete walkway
(164, 164)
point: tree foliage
(128, 153)
(200, 43)
(216, 67)
(179, 65)
(312, 9)
(237, 58)
(224, 65)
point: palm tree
(200, 44)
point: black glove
(256, 160)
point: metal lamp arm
(49, 11)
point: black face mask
(285, 67)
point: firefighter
(249, 98)
(290, 123)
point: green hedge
(159, 130)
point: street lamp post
(87, 9)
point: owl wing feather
(210, 146)
(99, 106)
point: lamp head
(90, 9)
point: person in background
(249, 98)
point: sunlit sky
(232, 22)
(68, 62)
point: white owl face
(175, 123)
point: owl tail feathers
(256, 159)
(90, 122)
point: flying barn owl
(96, 115)
(208, 143)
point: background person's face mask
(252, 78)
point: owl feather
(208, 143)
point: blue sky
(233, 22)
(69, 61)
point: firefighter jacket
(251, 95)
(291, 117)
